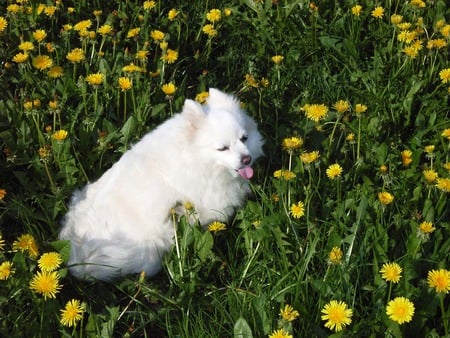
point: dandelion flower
(125, 83)
(75, 55)
(400, 310)
(342, 106)
(333, 171)
(50, 261)
(288, 313)
(439, 280)
(360, 108)
(20, 57)
(337, 315)
(26, 46)
(168, 88)
(446, 133)
(170, 56)
(350, 137)
(315, 112)
(157, 35)
(406, 157)
(209, 30)
(3, 23)
(217, 226)
(55, 72)
(201, 97)
(133, 32)
(148, 5)
(308, 158)
(72, 313)
(297, 209)
(82, 25)
(42, 62)
(60, 135)
(46, 283)
(6, 270)
(443, 184)
(95, 79)
(284, 174)
(277, 59)
(173, 13)
(444, 74)
(356, 10)
(391, 272)
(280, 334)
(378, 12)
(292, 143)
(214, 15)
(396, 19)
(132, 68)
(418, 3)
(385, 197)
(335, 255)
(426, 227)
(26, 243)
(142, 54)
(105, 29)
(39, 35)
(430, 175)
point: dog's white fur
(121, 223)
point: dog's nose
(246, 159)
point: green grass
(233, 283)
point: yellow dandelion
(26, 46)
(446, 166)
(26, 243)
(251, 81)
(406, 157)
(430, 175)
(173, 13)
(50, 261)
(439, 280)
(209, 30)
(75, 55)
(82, 25)
(105, 29)
(133, 32)
(157, 35)
(148, 5)
(132, 68)
(360, 108)
(418, 3)
(125, 83)
(288, 313)
(350, 137)
(60, 135)
(6, 270)
(334, 171)
(356, 10)
(227, 11)
(168, 88)
(342, 106)
(444, 74)
(446, 133)
(142, 54)
(400, 310)
(385, 197)
(20, 57)
(170, 56)
(383, 169)
(308, 158)
(95, 79)
(292, 143)
(201, 97)
(335, 255)
(378, 12)
(337, 315)
(391, 272)
(445, 31)
(280, 333)
(42, 62)
(315, 112)
(396, 19)
(297, 210)
(39, 35)
(46, 283)
(443, 184)
(284, 174)
(3, 23)
(277, 59)
(214, 15)
(72, 313)
(55, 72)
(217, 226)
(426, 227)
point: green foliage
(57, 132)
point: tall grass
(354, 105)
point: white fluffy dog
(121, 223)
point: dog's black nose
(246, 159)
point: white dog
(121, 223)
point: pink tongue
(246, 172)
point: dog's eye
(223, 148)
(244, 138)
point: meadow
(347, 232)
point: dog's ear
(220, 100)
(193, 112)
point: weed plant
(347, 230)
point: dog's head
(224, 134)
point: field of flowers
(348, 229)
